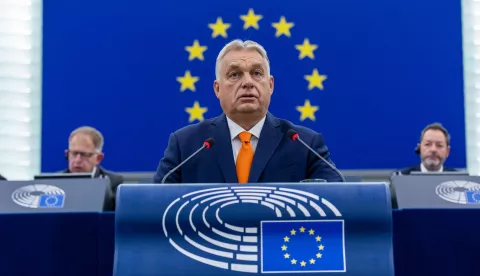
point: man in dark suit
(251, 145)
(84, 155)
(434, 148)
(2, 178)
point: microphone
(207, 144)
(295, 137)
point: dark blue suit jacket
(277, 158)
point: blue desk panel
(426, 242)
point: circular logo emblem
(39, 196)
(200, 227)
(459, 191)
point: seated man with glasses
(84, 155)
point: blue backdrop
(390, 67)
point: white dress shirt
(235, 129)
(422, 167)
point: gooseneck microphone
(295, 137)
(207, 144)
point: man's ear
(216, 88)
(271, 82)
(100, 157)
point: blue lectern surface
(220, 229)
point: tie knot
(245, 136)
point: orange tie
(244, 158)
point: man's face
(244, 86)
(433, 149)
(81, 153)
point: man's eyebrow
(231, 66)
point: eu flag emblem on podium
(473, 197)
(303, 246)
(51, 201)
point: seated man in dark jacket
(84, 155)
(434, 148)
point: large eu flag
(303, 246)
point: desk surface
(426, 242)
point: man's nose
(248, 82)
(77, 158)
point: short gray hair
(236, 45)
(97, 137)
(439, 127)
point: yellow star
(319, 255)
(195, 51)
(302, 229)
(303, 263)
(219, 28)
(284, 248)
(196, 112)
(307, 111)
(315, 80)
(293, 232)
(294, 261)
(321, 247)
(286, 255)
(311, 232)
(306, 49)
(312, 261)
(286, 239)
(251, 19)
(187, 81)
(283, 27)
(318, 238)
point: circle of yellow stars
(302, 263)
(251, 20)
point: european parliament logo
(459, 191)
(257, 229)
(39, 196)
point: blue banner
(368, 75)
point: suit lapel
(270, 138)
(223, 148)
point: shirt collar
(235, 129)
(423, 169)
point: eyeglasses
(83, 154)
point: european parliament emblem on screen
(459, 191)
(39, 196)
(257, 230)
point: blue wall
(392, 68)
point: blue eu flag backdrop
(303, 246)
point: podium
(274, 228)
(437, 214)
(52, 226)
